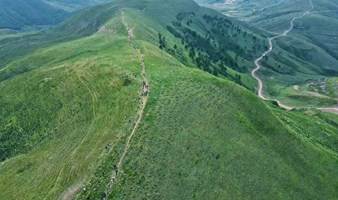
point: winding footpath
(267, 52)
(144, 94)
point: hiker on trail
(145, 88)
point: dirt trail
(144, 94)
(3, 69)
(267, 52)
(331, 110)
(74, 189)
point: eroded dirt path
(144, 94)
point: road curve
(267, 52)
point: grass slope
(188, 149)
(200, 37)
(66, 114)
(66, 111)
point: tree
(162, 41)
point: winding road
(267, 52)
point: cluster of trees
(213, 43)
(184, 15)
(162, 41)
(174, 51)
(217, 21)
(204, 50)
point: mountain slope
(72, 5)
(17, 14)
(81, 24)
(66, 117)
(21, 15)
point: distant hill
(17, 14)
(71, 5)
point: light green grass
(64, 113)
(71, 106)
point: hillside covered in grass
(71, 125)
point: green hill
(69, 107)
(17, 14)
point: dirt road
(267, 52)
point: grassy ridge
(71, 106)
(187, 148)
(199, 37)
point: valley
(284, 68)
(258, 60)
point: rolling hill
(73, 5)
(24, 15)
(18, 14)
(116, 103)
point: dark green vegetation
(212, 43)
(69, 102)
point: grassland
(229, 152)
(59, 118)
(68, 107)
